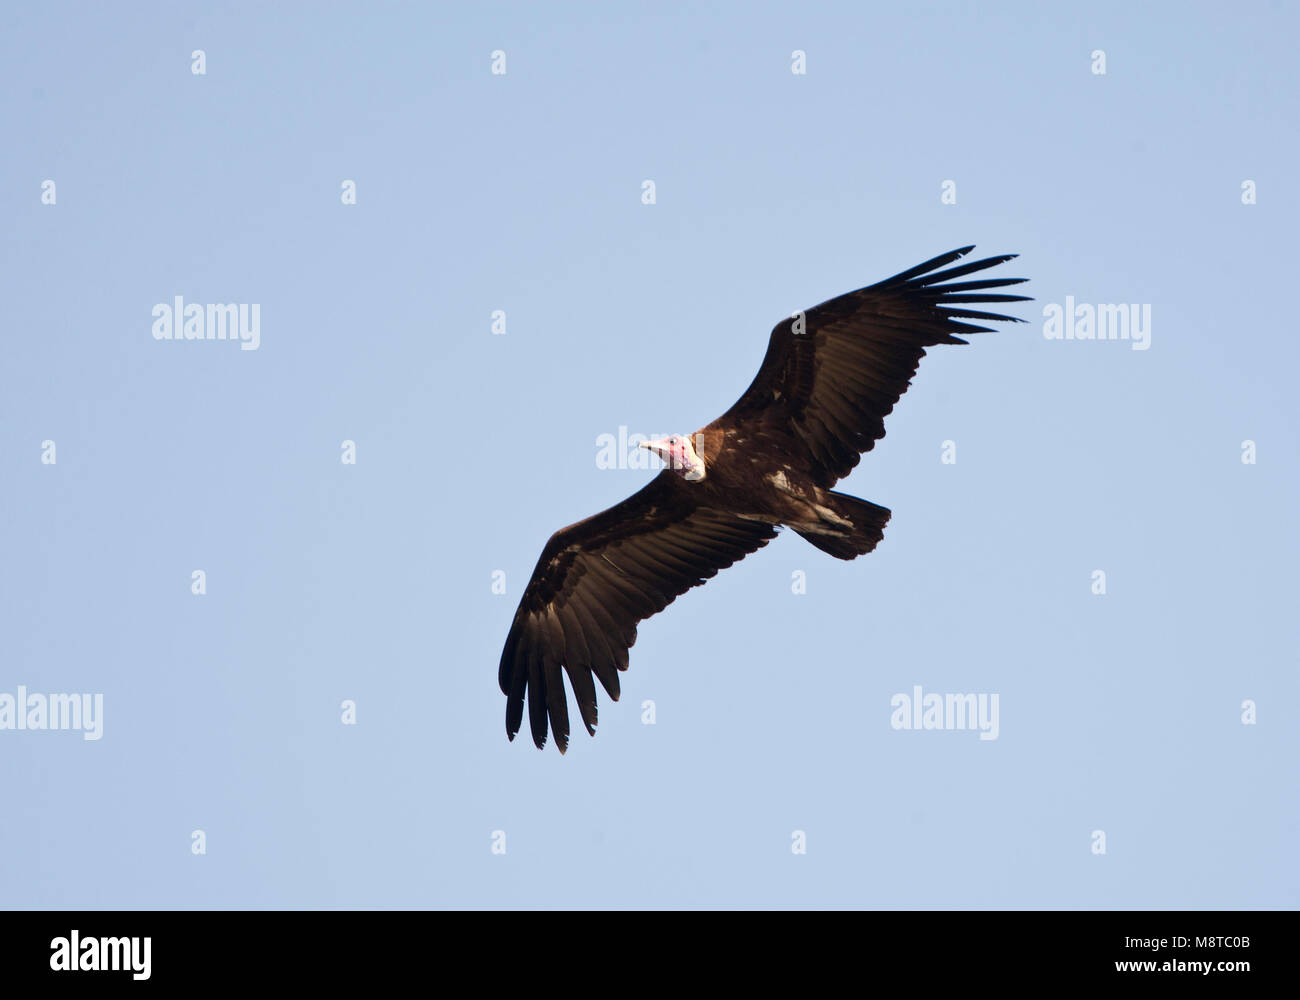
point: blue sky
(522, 192)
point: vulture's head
(679, 454)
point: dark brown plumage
(828, 380)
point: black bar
(302, 948)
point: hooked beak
(659, 447)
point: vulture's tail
(849, 528)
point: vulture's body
(829, 378)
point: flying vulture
(829, 378)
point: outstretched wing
(831, 384)
(595, 581)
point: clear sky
(1119, 713)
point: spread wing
(831, 385)
(595, 581)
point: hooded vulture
(830, 377)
